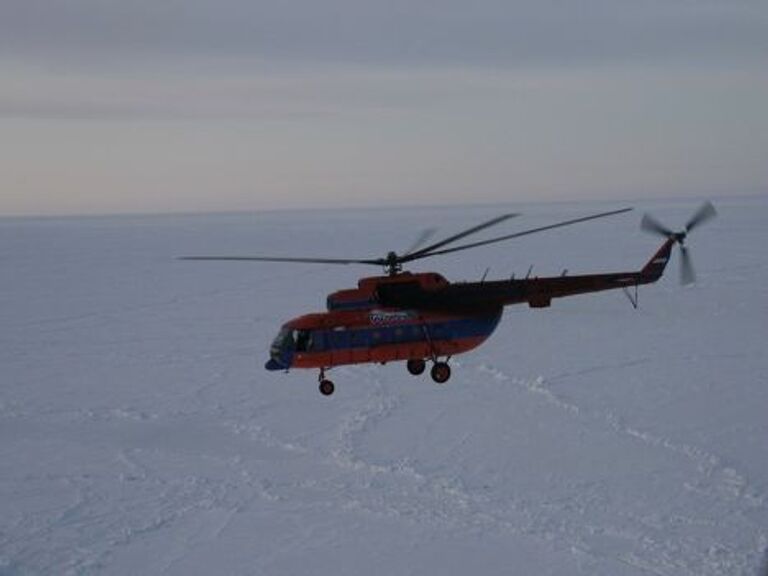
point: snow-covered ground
(140, 434)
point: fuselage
(408, 316)
(359, 328)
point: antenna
(530, 269)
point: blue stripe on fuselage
(406, 332)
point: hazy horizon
(634, 203)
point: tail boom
(536, 292)
(654, 268)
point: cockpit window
(287, 339)
(303, 340)
(283, 340)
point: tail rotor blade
(650, 224)
(706, 212)
(687, 273)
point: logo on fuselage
(395, 317)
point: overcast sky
(189, 105)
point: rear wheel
(416, 366)
(441, 372)
(326, 387)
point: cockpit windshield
(283, 341)
(293, 340)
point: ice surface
(140, 434)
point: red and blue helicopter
(420, 317)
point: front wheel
(416, 366)
(326, 387)
(441, 372)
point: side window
(303, 340)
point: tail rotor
(687, 273)
(705, 213)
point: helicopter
(421, 317)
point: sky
(198, 105)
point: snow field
(141, 435)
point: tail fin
(654, 268)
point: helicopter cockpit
(287, 342)
(291, 339)
(282, 341)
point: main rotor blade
(279, 259)
(432, 247)
(650, 224)
(687, 273)
(425, 235)
(515, 235)
(706, 212)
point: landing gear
(440, 372)
(326, 386)
(416, 366)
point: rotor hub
(392, 264)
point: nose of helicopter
(273, 365)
